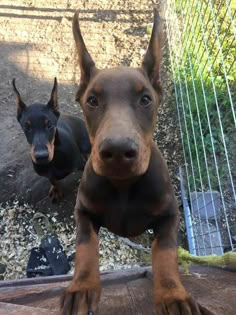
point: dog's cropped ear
(19, 103)
(53, 102)
(86, 63)
(152, 58)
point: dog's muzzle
(118, 155)
(41, 157)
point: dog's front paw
(181, 307)
(81, 302)
(55, 193)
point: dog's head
(39, 122)
(120, 107)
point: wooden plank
(13, 309)
(14, 291)
(123, 276)
(49, 303)
(33, 281)
(214, 288)
(116, 300)
(107, 278)
(23, 295)
(141, 292)
(134, 298)
(46, 292)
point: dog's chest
(125, 214)
(127, 221)
(51, 171)
(126, 210)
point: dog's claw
(187, 307)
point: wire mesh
(201, 38)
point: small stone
(11, 213)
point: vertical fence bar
(187, 216)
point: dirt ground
(36, 45)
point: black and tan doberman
(59, 143)
(125, 186)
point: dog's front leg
(55, 191)
(169, 293)
(82, 295)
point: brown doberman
(125, 185)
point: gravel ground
(119, 37)
(18, 237)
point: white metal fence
(201, 37)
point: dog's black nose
(41, 156)
(120, 150)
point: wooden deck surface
(127, 292)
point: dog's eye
(49, 124)
(92, 101)
(145, 100)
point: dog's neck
(123, 184)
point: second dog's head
(39, 122)
(120, 107)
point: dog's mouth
(118, 171)
(41, 157)
(120, 158)
(40, 161)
